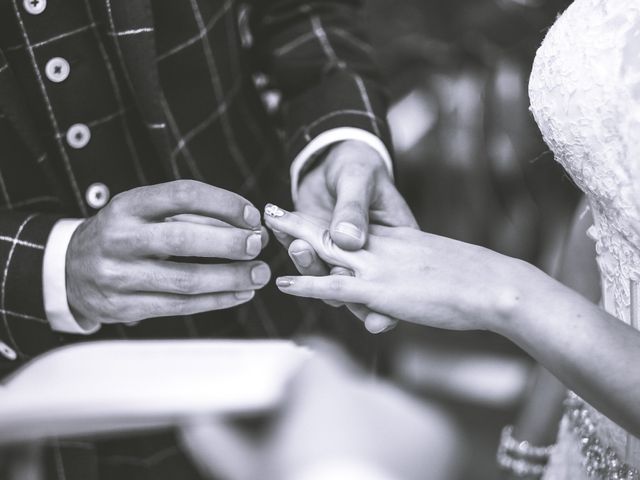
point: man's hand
(348, 189)
(118, 263)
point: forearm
(540, 413)
(585, 347)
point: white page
(127, 385)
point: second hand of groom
(349, 188)
(118, 262)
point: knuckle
(180, 306)
(130, 311)
(175, 239)
(118, 240)
(136, 238)
(106, 273)
(185, 284)
(229, 200)
(237, 277)
(116, 203)
(109, 236)
(119, 279)
(335, 284)
(217, 302)
(155, 308)
(184, 192)
(119, 204)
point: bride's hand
(410, 275)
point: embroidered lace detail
(585, 97)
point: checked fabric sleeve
(315, 53)
(27, 214)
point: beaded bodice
(585, 96)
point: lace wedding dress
(585, 96)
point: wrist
(331, 140)
(73, 270)
(354, 152)
(511, 302)
(55, 271)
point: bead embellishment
(600, 461)
(521, 458)
(273, 211)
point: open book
(102, 387)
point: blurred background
(473, 166)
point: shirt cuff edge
(328, 138)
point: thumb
(350, 222)
(378, 323)
(218, 450)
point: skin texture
(439, 282)
(351, 186)
(395, 269)
(119, 266)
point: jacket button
(7, 352)
(35, 7)
(78, 135)
(97, 195)
(57, 69)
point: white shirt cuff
(328, 138)
(54, 281)
(343, 470)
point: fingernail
(349, 229)
(245, 295)
(304, 258)
(251, 216)
(284, 282)
(379, 325)
(273, 211)
(260, 274)
(254, 244)
(375, 330)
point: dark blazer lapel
(131, 26)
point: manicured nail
(254, 244)
(246, 295)
(251, 216)
(349, 229)
(273, 211)
(284, 282)
(303, 258)
(260, 274)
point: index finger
(163, 200)
(312, 232)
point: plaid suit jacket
(181, 81)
